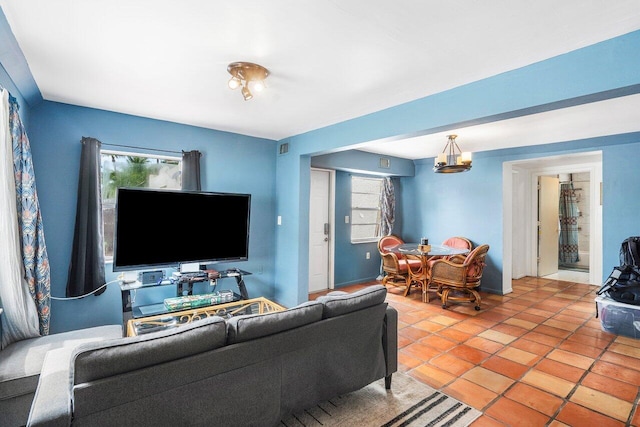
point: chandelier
(452, 159)
(244, 73)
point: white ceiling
(330, 61)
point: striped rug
(408, 403)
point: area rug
(408, 403)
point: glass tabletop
(436, 250)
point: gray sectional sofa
(249, 370)
(21, 362)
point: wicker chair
(419, 274)
(458, 281)
(395, 266)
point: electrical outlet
(346, 219)
(279, 220)
(368, 255)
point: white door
(548, 225)
(319, 230)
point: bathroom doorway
(520, 214)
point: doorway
(520, 213)
(321, 234)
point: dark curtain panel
(191, 170)
(86, 269)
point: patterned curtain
(388, 207)
(568, 247)
(34, 249)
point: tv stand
(184, 283)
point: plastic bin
(618, 318)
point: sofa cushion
(339, 303)
(21, 362)
(248, 327)
(100, 360)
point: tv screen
(162, 228)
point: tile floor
(535, 357)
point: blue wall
(55, 133)
(608, 68)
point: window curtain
(191, 170)
(24, 266)
(568, 244)
(86, 268)
(387, 207)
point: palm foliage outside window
(119, 170)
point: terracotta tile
(620, 359)
(403, 341)
(454, 334)
(552, 331)
(534, 398)
(413, 333)
(556, 423)
(532, 347)
(469, 327)
(421, 351)
(626, 350)
(603, 403)
(510, 329)
(572, 359)
(543, 338)
(585, 350)
(611, 386)
(550, 383)
(505, 367)
(497, 336)
(588, 340)
(521, 323)
(438, 342)
(488, 379)
(432, 376)
(470, 393)
(560, 370)
(633, 342)
(451, 364)
(635, 421)
(444, 320)
(428, 325)
(486, 421)
(407, 362)
(528, 317)
(516, 414)
(469, 354)
(519, 356)
(484, 344)
(618, 372)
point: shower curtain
(568, 244)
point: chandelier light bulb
(246, 93)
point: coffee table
(158, 322)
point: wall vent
(284, 148)
(385, 163)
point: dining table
(436, 251)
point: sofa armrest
(52, 402)
(390, 341)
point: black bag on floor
(623, 284)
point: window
(120, 169)
(365, 209)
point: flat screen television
(165, 228)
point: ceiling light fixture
(452, 159)
(243, 73)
